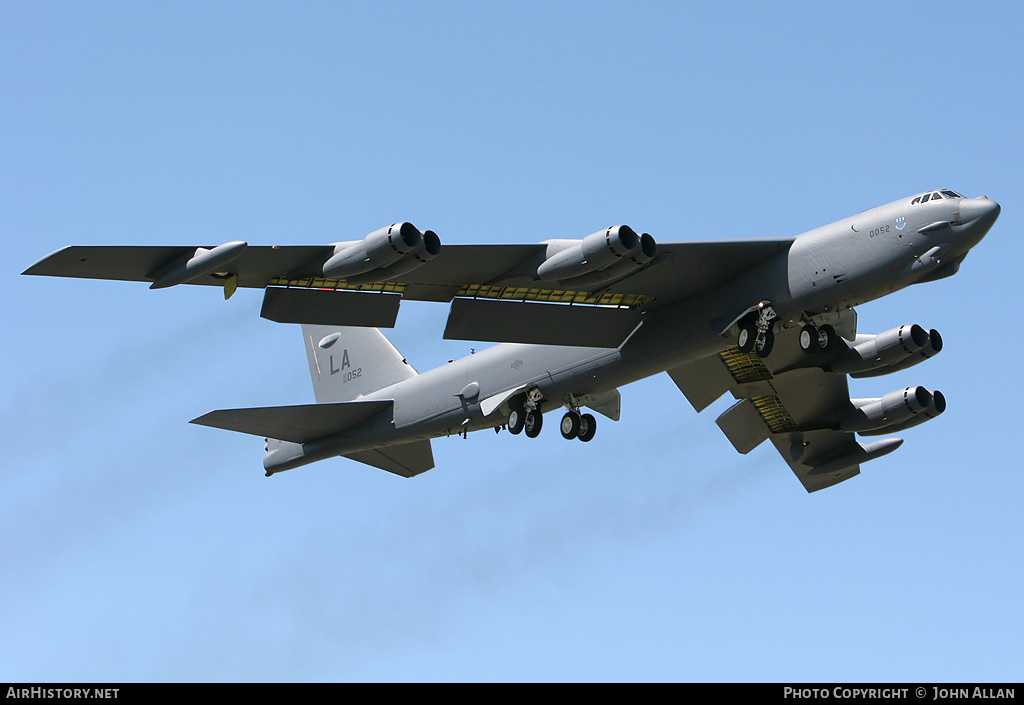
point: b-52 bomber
(769, 320)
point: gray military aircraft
(769, 320)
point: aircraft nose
(972, 209)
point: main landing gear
(577, 425)
(824, 338)
(525, 415)
(757, 335)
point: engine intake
(383, 254)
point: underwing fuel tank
(863, 453)
(201, 263)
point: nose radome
(972, 209)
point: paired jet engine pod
(895, 411)
(383, 254)
(610, 252)
(893, 356)
(937, 407)
(889, 348)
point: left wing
(363, 282)
(804, 408)
(681, 269)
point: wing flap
(334, 308)
(744, 426)
(542, 324)
(702, 381)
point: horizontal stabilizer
(297, 424)
(406, 460)
(499, 321)
(330, 307)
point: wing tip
(33, 270)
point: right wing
(803, 408)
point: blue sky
(137, 547)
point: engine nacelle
(619, 247)
(870, 353)
(382, 254)
(628, 264)
(931, 349)
(886, 412)
(937, 407)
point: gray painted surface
(693, 301)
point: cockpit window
(936, 196)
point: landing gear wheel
(534, 421)
(827, 337)
(588, 427)
(570, 425)
(808, 339)
(764, 343)
(747, 338)
(516, 420)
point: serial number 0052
(879, 231)
(351, 375)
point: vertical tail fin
(347, 363)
